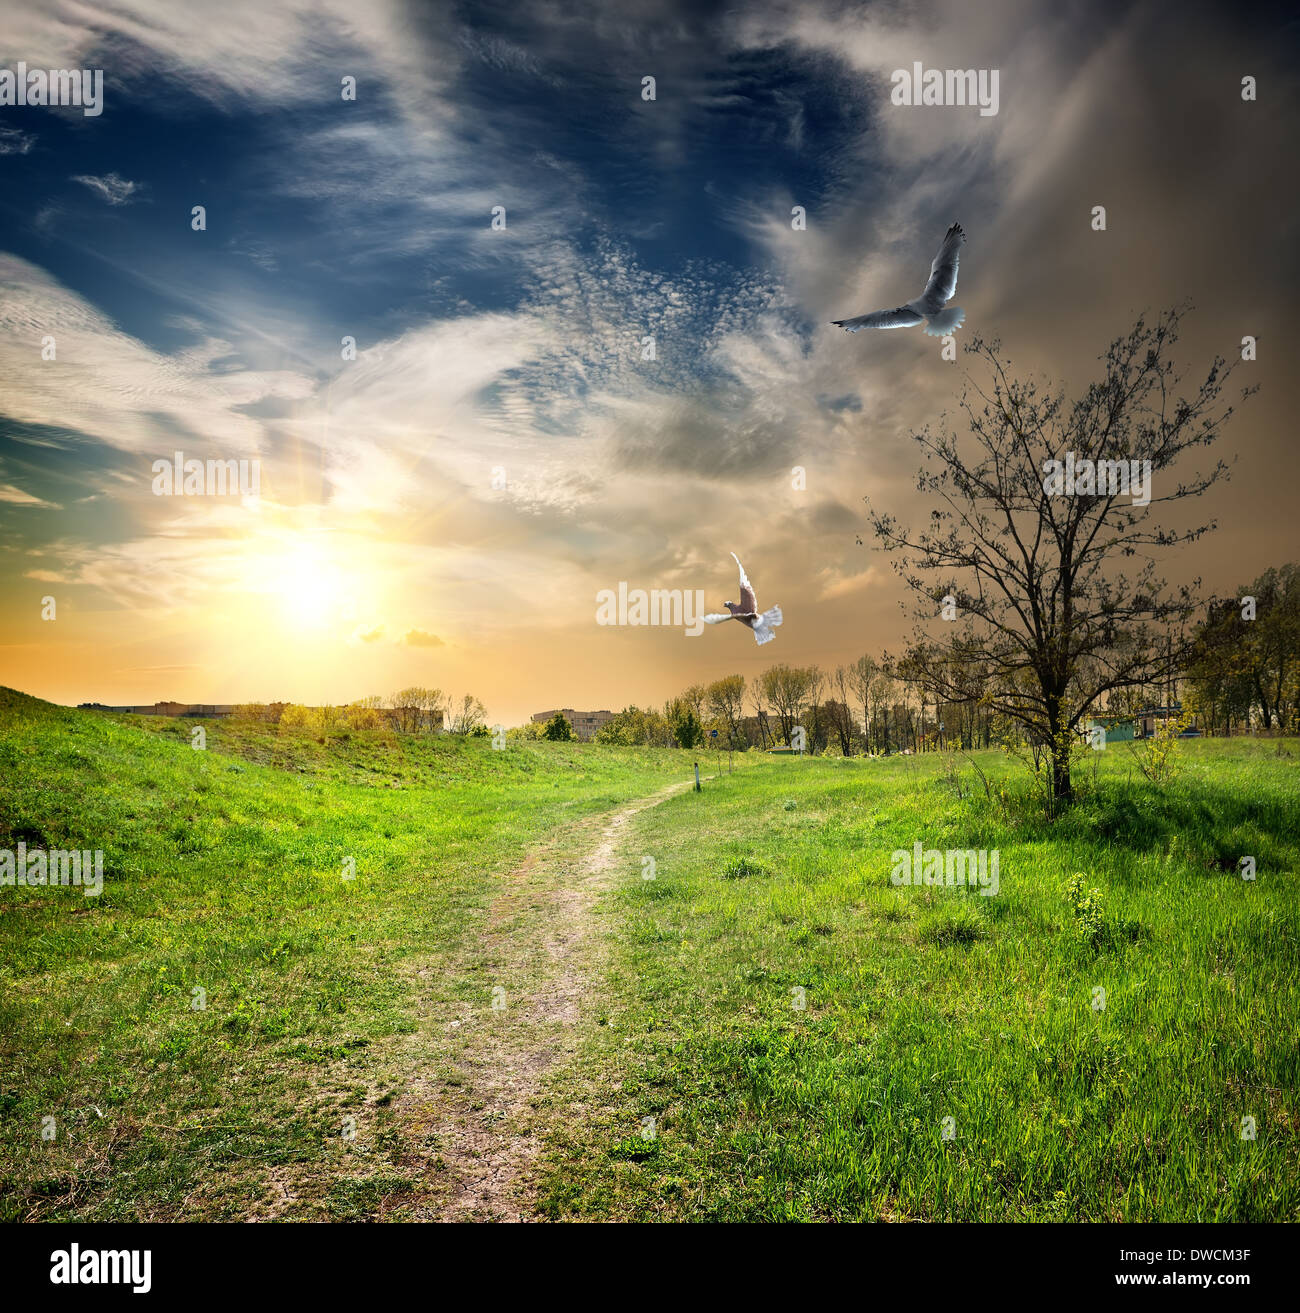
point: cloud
(284, 54)
(13, 141)
(419, 638)
(12, 496)
(838, 583)
(112, 187)
(114, 388)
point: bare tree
(882, 693)
(814, 721)
(415, 708)
(841, 708)
(862, 675)
(433, 706)
(403, 709)
(695, 697)
(466, 716)
(1036, 570)
(760, 714)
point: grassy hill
(769, 1028)
(224, 873)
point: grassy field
(767, 1029)
(224, 871)
(922, 1004)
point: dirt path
(486, 1122)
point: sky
(444, 508)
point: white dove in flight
(746, 611)
(929, 305)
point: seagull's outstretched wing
(748, 603)
(903, 317)
(943, 273)
(713, 618)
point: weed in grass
(355, 1199)
(635, 1149)
(1088, 909)
(956, 923)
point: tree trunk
(1060, 749)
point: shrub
(1089, 910)
(357, 715)
(296, 716)
(687, 729)
(558, 730)
(1159, 755)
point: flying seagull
(746, 611)
(929, 305)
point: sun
(309, 580)
(309, 587)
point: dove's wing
(943, 273)
(713, 618)
(903, 317)
(748, 603)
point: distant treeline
(854, 710)
(408, 711)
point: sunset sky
(382, 551)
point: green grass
(223, 872)
(797, 1027)
(921, 1004)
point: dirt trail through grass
(487, 1121)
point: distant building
(197, 710)
(1118, 729)
(585, 723)
(1149, 717)
(1143, 724)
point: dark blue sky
(569, 143)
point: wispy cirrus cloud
(114, 388)
(12, 496)
(14, 141)
(111, 187)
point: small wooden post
(697, 777)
